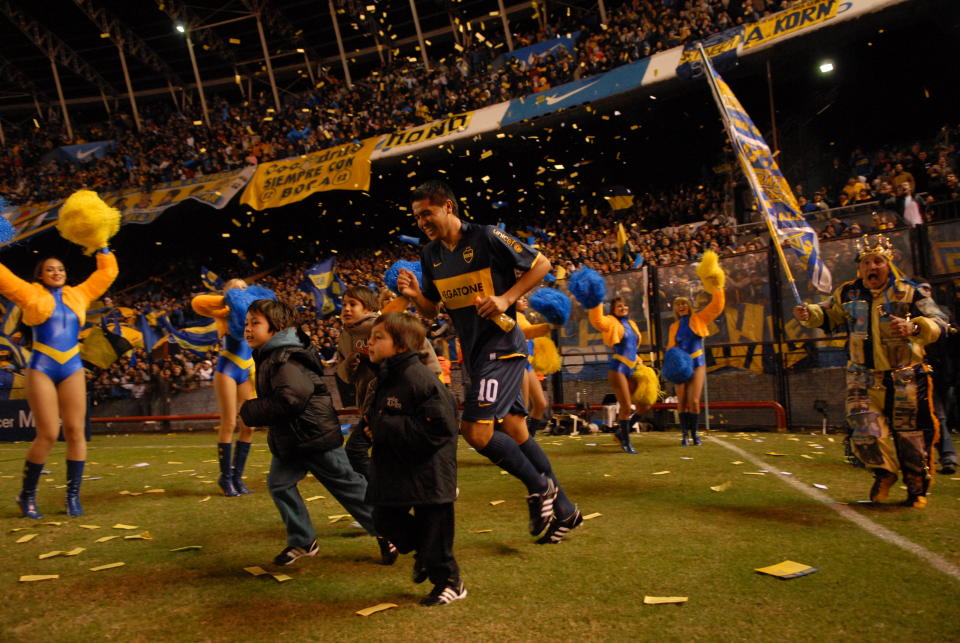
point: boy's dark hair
(365, 296)
(406, 330)
(279, 315)
(435, 191)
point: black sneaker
(291, 554)
(948, 468)
(541, 507)
(444, 593)
(557, 529)
(419, 573)
(388, 551)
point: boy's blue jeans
(333, 471)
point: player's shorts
(496, 389)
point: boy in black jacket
(304, 429)
(411, 419)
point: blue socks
(506, 454)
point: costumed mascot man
(685, 363)
(635, 384)
(889, 387)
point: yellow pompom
(546, 357)
(87, 221)
(711, 274)
(648, 385)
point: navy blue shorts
(496, 389)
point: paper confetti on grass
(187, 548)
(143, 535)
(33, 578)
(53, 523)
(127, 492)
(107, 566)
(787, 569)
(312, 498)
(592, 516)
(255, 570)
(49, 554)
(338, 517)
(89, 526)
(120, 525)
(722, 487)
(281, 578)
(808, 457)
(664, 600)
(75, 551)
(820, 486)
(26, 538)
(774, 453)
(155, 491)
(482, 531)
(754, 473)
(205, 498)
(106, 538)
(174, 462)
(659, 473)
(497, 502)
(737, 462)
(367, 611)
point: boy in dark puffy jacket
(411, 419)
(304, 430)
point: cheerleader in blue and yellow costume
(635, 385)
(55, 381)
(533, 395)
(233, 376)
(686, 366)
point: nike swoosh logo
(437, 265)
(487, 404)
(82, 155)
(553, 100)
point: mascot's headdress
(879, 245)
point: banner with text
(346, 167)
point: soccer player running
(471, 268)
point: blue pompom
(677, 366)
(238, 300)
(7, 232)
(552, 304)
(390, 276)
(413, 241)
(588, 287)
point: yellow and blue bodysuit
(236, 356)
(622, 335)
(57, 314)
(530, 332)
(687, 332)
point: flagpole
(748, 172)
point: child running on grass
(304, 431)
(411, 419)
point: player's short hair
(279, 314)
(365, 296)
(404, 329)
(436, 192)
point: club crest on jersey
(393, 403)
(468, 254)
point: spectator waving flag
(211, 281)
(325, 286)
(774, 197)
(198, 340)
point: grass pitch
(673, 522)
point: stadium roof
(84, 35)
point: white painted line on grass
(878, 530)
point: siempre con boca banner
(346, 167)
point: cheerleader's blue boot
(27, 500)
(74, 478)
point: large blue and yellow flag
(325, 286)
(774, 197)
(210, 279)
(199, 340)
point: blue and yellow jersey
(483, 264)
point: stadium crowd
(666, 227)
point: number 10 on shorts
(488, 390)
